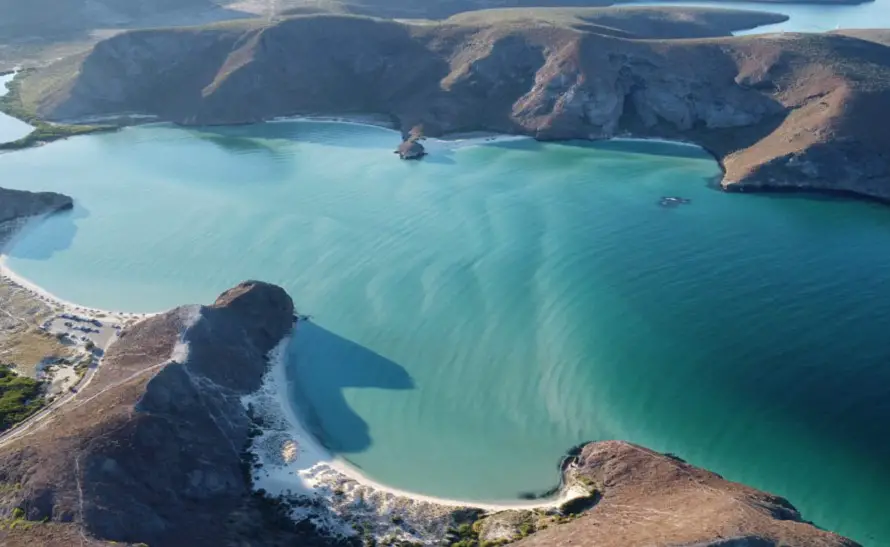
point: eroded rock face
(150, 450)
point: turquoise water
(804, 17)
(10, 128)
(477, 313)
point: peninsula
(780, 112)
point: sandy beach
(292, 464)
(23, 225)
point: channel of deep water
(477, 313)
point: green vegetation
(19, 520)
(20, 397)
(44, 132)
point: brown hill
(781, 111)
(149, 451)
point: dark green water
(481, 311)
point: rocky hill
(150, 450)
(783, 111)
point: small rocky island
(411, 149)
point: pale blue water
(10, 128)
(479, 312)
(803, 17)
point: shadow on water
(234, 143)
(264, 135)
(321, 366)
(41, 240)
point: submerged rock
(673, 201)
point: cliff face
(779, 111)
(150, 450)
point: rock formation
(782, 111)
(411, 149)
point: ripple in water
(481, 311)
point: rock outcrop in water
(411, 149)
(781, 111)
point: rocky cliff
(783, 111)
(150, 450)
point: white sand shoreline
(276, 383)
(291, 464)
(303, 476)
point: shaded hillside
(784, 111)
(150, 450)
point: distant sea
(477, 313)
(802, 17)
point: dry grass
(22, 343)
(27, 350)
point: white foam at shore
(338, 498)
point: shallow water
(477, 313)
(805, 17)
(10, 128)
